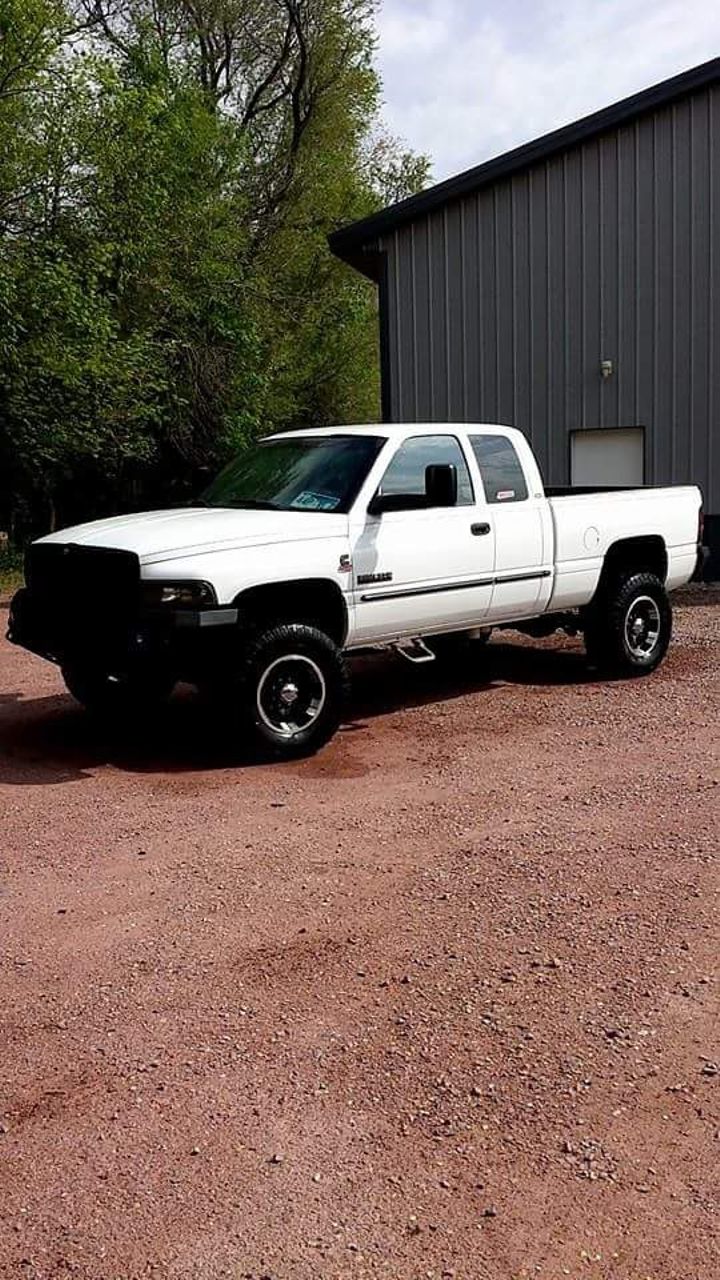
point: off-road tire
(300, 655)
(628, 628)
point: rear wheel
(290, 693)
(628, 629)
(117, 694)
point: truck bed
(587, 522)
(574, 490)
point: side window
(502, 474)
(405, 476)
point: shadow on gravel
(704, 595)
(50, 740)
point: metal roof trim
(351, 241)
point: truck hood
(176, 534)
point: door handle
(479, 530)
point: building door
(610, 457)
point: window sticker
(505, 495)
(309, 501)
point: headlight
(178, 595)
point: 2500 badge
(365, 579)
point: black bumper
(181, 639)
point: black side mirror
(441, 485)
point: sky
(465, 80)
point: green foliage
(11, 573)
(169, 172)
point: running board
(414, 650)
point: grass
(11, 574)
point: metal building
(571, 288)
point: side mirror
(441, 485)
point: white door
(600, 458)
(523, 536)
(417, 571)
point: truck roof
(390, 429)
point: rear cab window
(500, 468)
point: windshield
(307, 473)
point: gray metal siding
(503, 303)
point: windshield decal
(309, 501)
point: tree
(166, 290)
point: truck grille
(76, 581)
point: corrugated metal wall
(500, 306)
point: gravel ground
(439, 1002)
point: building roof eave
(350, 242)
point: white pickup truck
(315, 543)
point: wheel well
(315, 601)
(634, 555)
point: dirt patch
(442, 1001)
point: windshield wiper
(253, 504)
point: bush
(11, 564)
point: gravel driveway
(439, 1002)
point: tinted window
(500, 468)
(299, 473)
(406, 474)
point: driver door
(420, 570)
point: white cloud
(465, 80)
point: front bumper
(179, 638)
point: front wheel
(628, 630)
(291, 690)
